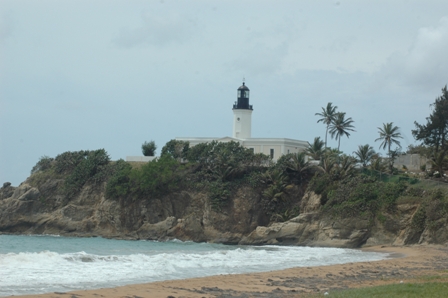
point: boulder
(156, 231)
(6, 190)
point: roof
(243, 87)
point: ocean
(42, 264)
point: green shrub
(176, 149)
(219, 194)
(254, 179)
(149, 148)
(89, 165)
(357, 196)
(118, 183)
(390, 192)
(319, 183)
(155, 178)
(322, 184)
(68, 161)
(43, 164)
(225, 161)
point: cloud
(156, 30)
(425, 64)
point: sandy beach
(407, 264)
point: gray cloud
(155, 30)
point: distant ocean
(42, 264)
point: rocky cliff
(188, 215)
(183, 215)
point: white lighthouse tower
(242, 114)
(242, 128)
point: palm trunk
(391, 161)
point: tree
(377, 164)
(328, 115)
(340, 127)
(224, 161)
(176, 149)
(389, 134)
(435, 132)
(364, 154)
(43, 164)
(295, 165)
(149, 148)
(337, 166)
(315, 150)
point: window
(288, 151)
(251, 149)
(272, 153)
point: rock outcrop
(188, 215)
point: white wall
(140, 158)
(242, 123)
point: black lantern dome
(243, 98)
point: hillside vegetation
(223, 192)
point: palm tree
(298, 165)
(328, 115)
(344, 168)
(388, 135)
(341, 126)
(315, 150)
(377, 164)
(364, 154)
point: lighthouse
(242, 114)
(242, 128)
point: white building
(242, 126)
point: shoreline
(405, 264)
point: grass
(426, 286)
(427, 184)
(409, 200)
(406, 290)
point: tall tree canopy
(176, 149)
(149, 148)
(316, 149)
(389, 134)
(340, 127)
(364, 154)
(328, 116)
(435, 132)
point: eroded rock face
(183, 215)
(187, 215)
(311, 229)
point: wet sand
(408, 264)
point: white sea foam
(118, 263)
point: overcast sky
(84, 75)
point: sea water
(42, 264)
